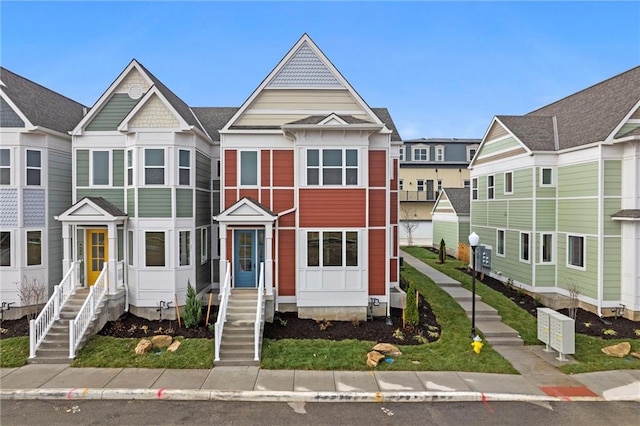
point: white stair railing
(225, 289)
(39, 327)
(259, 316)
(78, 326)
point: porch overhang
(94, 210)
(630, 215)
(245, 211)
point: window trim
(508, 182)
(474, 188)
(27, 167)
(130, 247)
(344, 168)
(547, 185)
(401, 154)
(239, 168)
(204, 246)
(440, 153)
(344, 258)
(400, 184)
(469, 149)
(150, 231)
(130, 154)
(180, 167)
(109, 168)
(491, 189)
(164, 166)
(552, 260)
(416, 149)
(504, 242)
(188, 251)
(521, 246)
(8, 167)
(584, 252)
(26, 249)
(11, 247)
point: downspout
(600, 229)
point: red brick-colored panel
(265, 163)
(377, 210)
(393, 207)
(230, 167)
(394, 173)
(230, 198)
(283, 168)
(393, 270)
(395, 241)
(283, 201)
(332, 207)
(287, 263)
(251, 193)
(265, 198)
(377, 262)
(378, 168)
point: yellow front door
(96, 253)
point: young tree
(408, 214)
(193, 308)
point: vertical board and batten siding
(286, 262)
(154, 202)
(117, 166)
(498, 213)
(578, 180)
(573, 215)
(203, 208)
(340, 208)
(131, 202)
(612, 273)
(586, 280)
(114, 196)
(377, 261)
(59, 199)
(377, 204)
(8, 117)
(520, 214)
(377, 168)
(283, 168)
(112, 113)
(184, 202)
(82, 167)
(545, 215)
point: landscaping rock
(373, 358)
(143, 346)
(619, 351)
(161, 341)
(387, 349)
(174, 346)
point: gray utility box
(557, 331)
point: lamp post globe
(474, 239)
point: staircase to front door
(237, 345)
(54, 349)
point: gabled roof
(247, 210)
(214, 118)
(92, 209)
(460, 199)
(385, 117)
(317, 119)
(535, 132)
(42, 107)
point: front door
(248, 254)
(96, 253)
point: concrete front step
(237, 363)
(50, 360)
(505, 341)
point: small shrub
(324, 324)
(574, 293)
(355, 322)
(193, 309)
(412, 317)
(420, 338)
(398, 334)
(587, 324)
(442, 251)
(609, 332)
(636, 332)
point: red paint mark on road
(486, 404)
(567, 392)
(70, 393)
(160, 391)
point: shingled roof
(535, 132)
(214, 118)
(385, 117)
(316, 119)
(42, 107)
(459, 199)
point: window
(500, 242)
(204, 245)
(218, 168)
(490, 186)
(547, 248)
(439, 187)
(420, 185)
(248, 167)
(5, 248)
(332, 248)
(471, 152)
(430, 190)
(129, 167)
(467, 183)
(508, 183)
(401, 185)
(546, 176)
(154, 248)
(421, 154)
(474, 188)
(440, 153)
(130, 247)
(154, 166)
(401, 154)
(34, 248)
(5, 167)
(184, 167)
(575, 251)
(332, 167)
(100, 167)
(524, 246)
(184, 247)
(34, 167)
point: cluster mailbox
(557, 331)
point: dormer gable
(153, 111)
(95, 209)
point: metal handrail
(259, 315)
(39, 327)
(222, 311)
(79, 325)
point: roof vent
(135, 91)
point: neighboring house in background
(35, 185)
(556, 198)
(451, 221)
(427, 166)
(309, 187)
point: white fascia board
(484, 140)
(610, 138)
(27, 124)
(124, 124)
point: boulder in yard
(619, 351)
(161, 341)
(373, 358)
(387, 349)
(174, 346)
(143, 346)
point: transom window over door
(332, 167)
(154, 166)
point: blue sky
(443, 69)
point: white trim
(109, 169)
(164, 166)
(504, 242)
(180, 168)
(167, 261)
(553, 175)
(512, 183)
(12, 249)
(10, 167)
(611, 137)
(541, 260)
(41, 168)
(43, 242)
(124, 124)
(493, 187)
(584, 252)
(520, 247)
(258, 183)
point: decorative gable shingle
(304, 69)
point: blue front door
(248, 254)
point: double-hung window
(500, 242)
(130, 246)
(184, 167)
(100, 167)
(154, 166)
(474, 188)
(5, 167)
(491, 179)
(508, 183)
(524, 246)
(546, 176)
(204, 245)
(546, 248)
(400, 184)
(332, 248)
(575, 251)
(154, 248)
(332, 167)
(184, 247)
(401, 154)
(34, 167)
(420, 185)
(471, 152)
(129, 167)
(34, 248)
(440, 153)
(5, 248)
(421, 154)
(249, 168)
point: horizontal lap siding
(265, 164)
(287, 263)
(545, 275)
(82, 167)
(154, 202)
(377, 262)
(522, 183)
(131, 202)
(447, 231)
(283, 168)
(520, 214)
(282, 201)
(579, 180)
(229, 198)
(332, 208)
(611, 206)
(498, 146)
(612, 268)
(612, 177)
(230, 167)
(114, 196)
(59, 200)
(394, 181)
(498, 214)
(586, 280)
(184, 202)
(578, 215)
(510, 265)
(393, 270)
(118, 167)
(377, 202)
(203, 171)
(203, 208)
(265, 198)
(112, 113)
(546, 215)
(251, 193)
(377, 168)
(479, 213)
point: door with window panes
(97, 253)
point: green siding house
(555, 197)
(451, 221)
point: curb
(282, 396)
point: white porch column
(268, 257)
(67, 256)
(112, 272)
(223, 252)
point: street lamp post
(473, 242)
